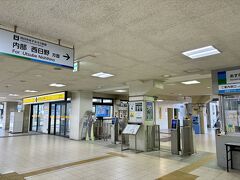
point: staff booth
(50, 113)
(226, 84)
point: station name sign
(61, 96)
(229, 81)
(26, 47)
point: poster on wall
(136, 112)
(149, 111)
(139, 112)
(231, 117)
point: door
(68, 110)
(57, 119)
(34, 121)
(52, 119)
(40, 117)
(62, 119)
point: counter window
(232, 113)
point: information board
(136, 112)
(131, 129)
(229, 81)
(33, 49)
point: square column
(8, 108)
(81, 102)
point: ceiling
(134, 40)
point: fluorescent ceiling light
(102, 75)
(57, 85)
(13, 95)
(201, 52)
(190, 82)
(160, 100)
(2, 97)
(120, 90)
(30, 91)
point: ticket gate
(114, 130)
(187, 137)
(182, 139)
(175, 137)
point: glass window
(232, 113)
(107, 101)
(97, 100)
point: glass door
(68, 110)
(63, 119)
(34, 117)
(40, 117)
(52, 119)
(58, 119)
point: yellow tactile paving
(183, 173)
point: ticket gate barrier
(187, 137)
(114, 130)
(175, 137)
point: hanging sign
(61, 96)
(33, 49)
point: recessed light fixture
(190, 82)
(201, 52)
(166, 75)
(160, 100)
(120, 90)
(208, 87)
(38, 75)
(2, 97)
(57, 85)
(102, 75)
(30, 91)
(14, 95)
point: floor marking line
(17, 176)
(183, 173)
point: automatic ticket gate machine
(187, 138)
(175, 137)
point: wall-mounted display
(103, 111)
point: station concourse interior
(119, 90)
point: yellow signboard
(45, 98)
(51, 97)
(30, 100)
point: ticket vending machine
(175, 136)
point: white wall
(163, 122)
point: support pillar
(8, 108)
(81, 102)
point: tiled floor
(26, 154)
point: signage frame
(39, 60)
(37, 102)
